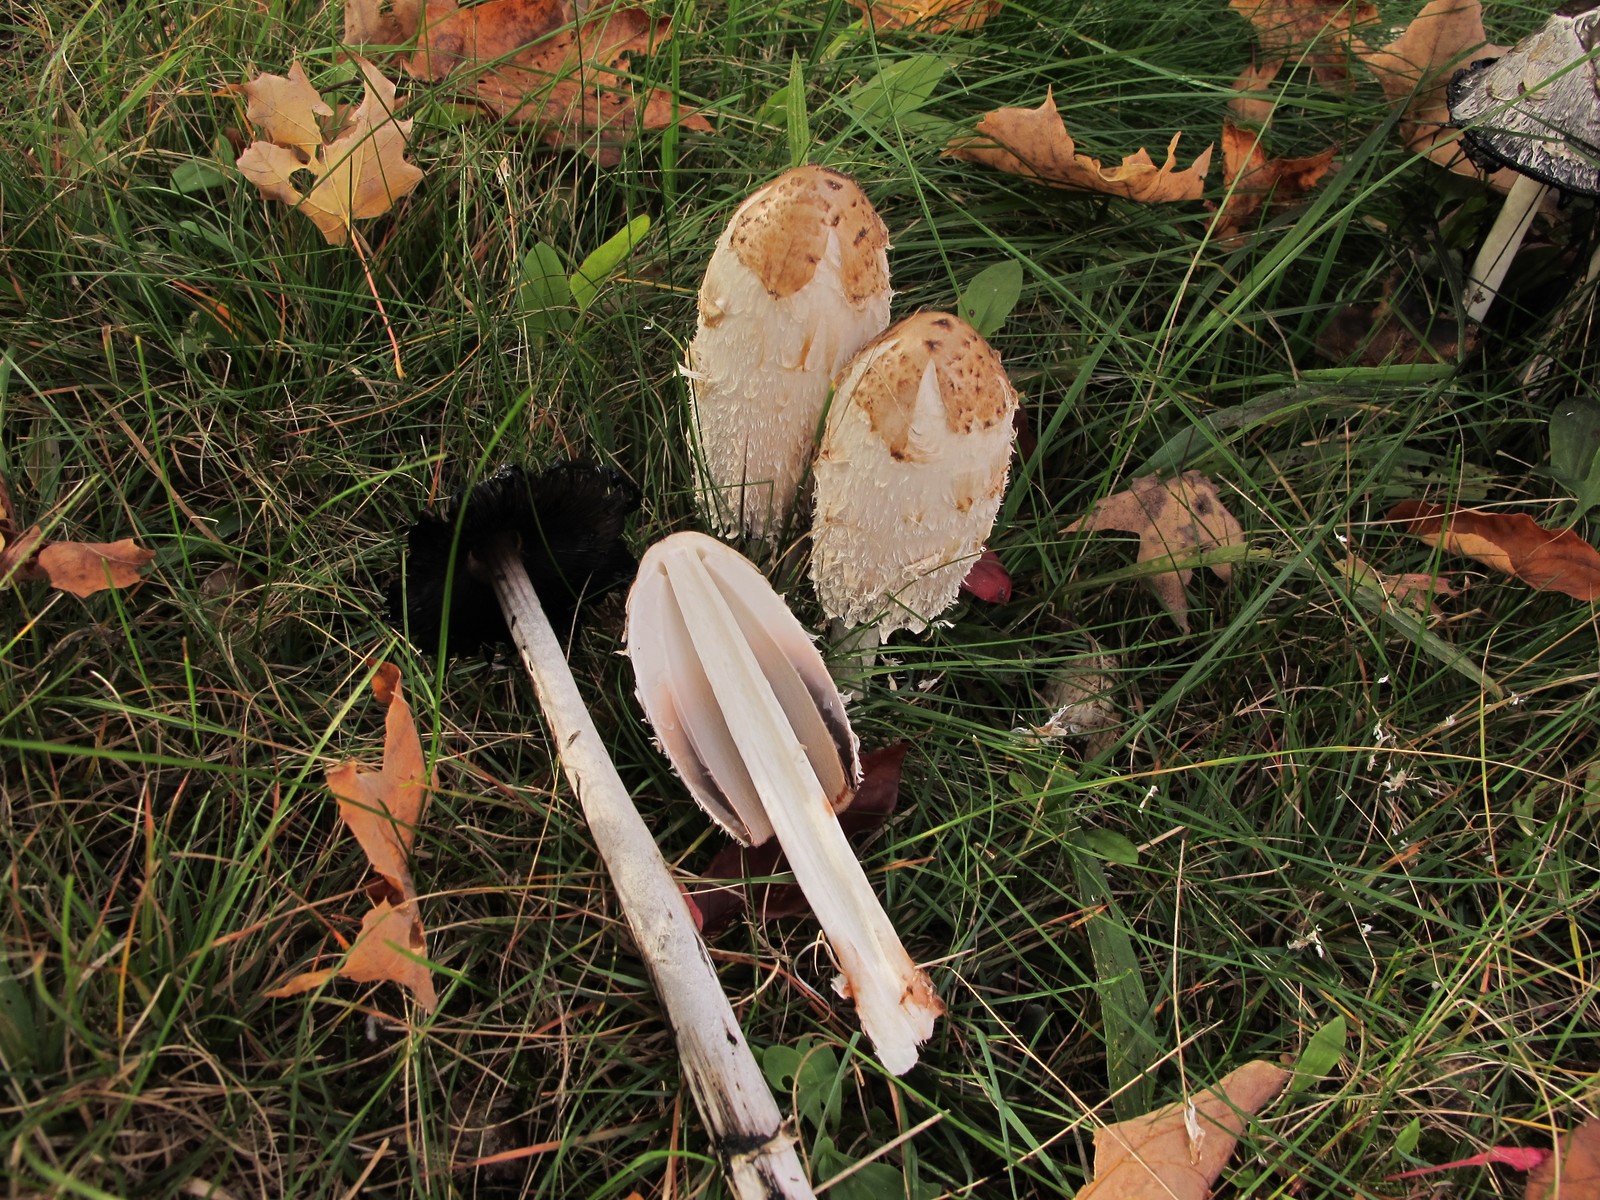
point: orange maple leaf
(927, 16)
(532, 62)
(1321, 33)
(1034, 143)
(1253, 179)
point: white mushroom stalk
(911, 473)
(1535, 110)
(745, 709)
(798, 282)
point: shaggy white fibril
(799, 281)
(911, 473)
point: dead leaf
(1080, 698)
(84, 568)
(383, 809)
(1160, 1155)
(1573, 1172)
(1400, 328)
(358, 172)
(1173, 519)
(1550, 560)
(927, 16)
(1323, 34)
(1034, 143)
(1414, 70)
(366, 25)
(1252, 104)
(1253, 179)
(532, 63)
(1421, 591)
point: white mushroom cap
(799, 281)
(912, 470)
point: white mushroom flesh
(799, 281)
(771, 698)
(911, 473)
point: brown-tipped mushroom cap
(799, 281)
(911, 473)
(1535, 109)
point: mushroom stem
(894, 999)
(1500, 247)
(757, 1154)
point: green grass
(1336, 815)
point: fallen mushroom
(483, 570)
(1535, 110)
(798, 282)
(743, 706)
(911, 473)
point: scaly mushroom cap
(1536, 109)
(798, 283)
(911, 473)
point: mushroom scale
(798, 282)
(912, 469)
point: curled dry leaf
(1252, 105)
(1418, 590)
(1034, 143)
(1550, 560)
(1175, 1155)
(1174, 519)
(1321, 33)
(1573, 1171)
(1415, 69)
(365, 24)
(1254, 180)
(383, 809)
(1080, 699)
(358, 170)
(534, 62)
(1400, 328)
(927, 16)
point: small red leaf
(1518, 1158)
(988, 580)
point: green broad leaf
(798, 119)
(197, 175)
(1575, 450)
(1406, 1140)
(1321, 1055)
(605, 260)
(987, 301)
(1113, 847)
(896, 91)
(18, 1037)
(1132, 1046)
(810, 1073)
(543, 293)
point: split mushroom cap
(1536, 110)
(566, 522)
(744, 708)
(798, 282)
(911, 473)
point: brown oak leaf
(1176, 1153)
(358, 171)
(1320, 33)
(1173, 519)
(1414, 70)
(383, 809)
(533, 63)
(927, 16)
(1253, 179)
(1573, 1171)
(1550, 560)
(1034, 143)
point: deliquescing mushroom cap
(798, 282)
(567, 523)
(911, 473)
(1536, 108)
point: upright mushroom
(1536, 110)
(911, 473)
(483, 571)
(744, 707)
(798, 282)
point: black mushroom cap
(1536, 109)
(567, 521)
